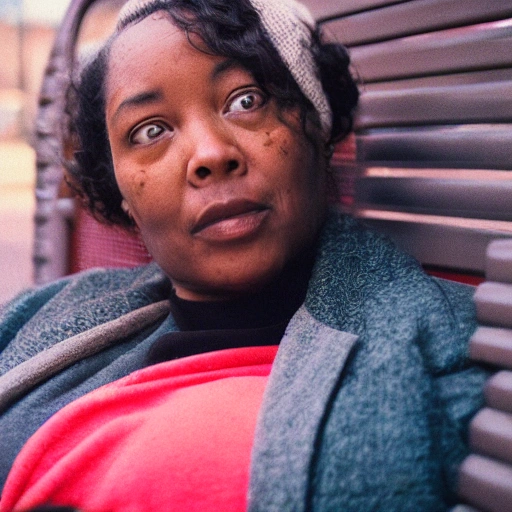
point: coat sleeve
(458, 382)
(16, 313)
(40, 318)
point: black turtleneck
(251, 320)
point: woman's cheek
(138, 183)
(132, 181)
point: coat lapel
(47, 363)
(305, 373)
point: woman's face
(223, 185)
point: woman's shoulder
(364, 257)
(98, 284)
(361, 276)
(355, 264)
(350, 241)
(42, 316)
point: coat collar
(304, 377)
(351, 264)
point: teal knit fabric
(369, 400)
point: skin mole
(142, 179)
(139, 181)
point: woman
(305, 364)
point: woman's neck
(273, 304)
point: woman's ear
(126, 209)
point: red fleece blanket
(174, 436)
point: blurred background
(432, 136)
(27, 29)
(27, 32)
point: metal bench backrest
(434, 127)
(433, 144)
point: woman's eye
(246, 102)
(147, 133)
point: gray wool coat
(368, 402)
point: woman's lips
(231, 220)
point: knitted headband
(288, 25)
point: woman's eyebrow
(223, 67)
(142, 98)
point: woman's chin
(236, 283)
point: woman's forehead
(154, 39)
(147, 33)
(139, 64)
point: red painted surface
(452, 275)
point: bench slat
(473, 103)
(418, 17)
(438, 242)
(498, 391)
(471, 146)
(494, 304)
(499, 261)
(455, 79)
(492, 345)
(463, 508)
(437, 196)
(456, 50)
(490, 434)
(322, 9)
(486, 483)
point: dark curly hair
(230, 29)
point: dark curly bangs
(228, 28)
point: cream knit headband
(288, 24)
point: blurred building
(18, 84)
(26, 36)
(27, 31)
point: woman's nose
(215, 155)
